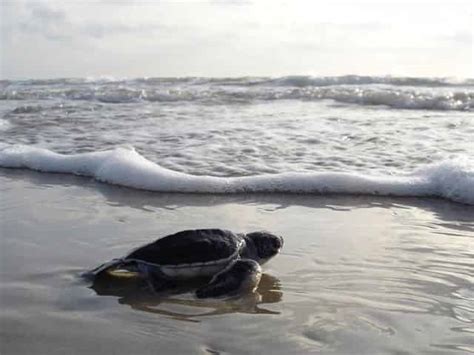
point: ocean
(369, 179)
(352, 134)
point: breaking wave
(452, 180)
(398, 93)
(304, 81)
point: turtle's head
(267, 245)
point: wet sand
(358, 275)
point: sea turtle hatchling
(231, 261)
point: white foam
(4, 124)
(453, 180)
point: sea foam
(452, 180)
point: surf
(452, 180)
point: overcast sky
(61, 38)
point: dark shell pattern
(190, 247)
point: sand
(357, 275)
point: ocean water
(369, 179)
(350, 134)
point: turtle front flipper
(239, 277)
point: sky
(219, 38)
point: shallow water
(357, 274)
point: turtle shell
(191, 253)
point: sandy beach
(359, 275)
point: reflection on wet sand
(179, 303)
(365, 275)
(452, 215)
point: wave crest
(291, 80)
(457, 100)
(452, 180)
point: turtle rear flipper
(157, 281)
(112, 264)
(239, 277)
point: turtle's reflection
(179, 303)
